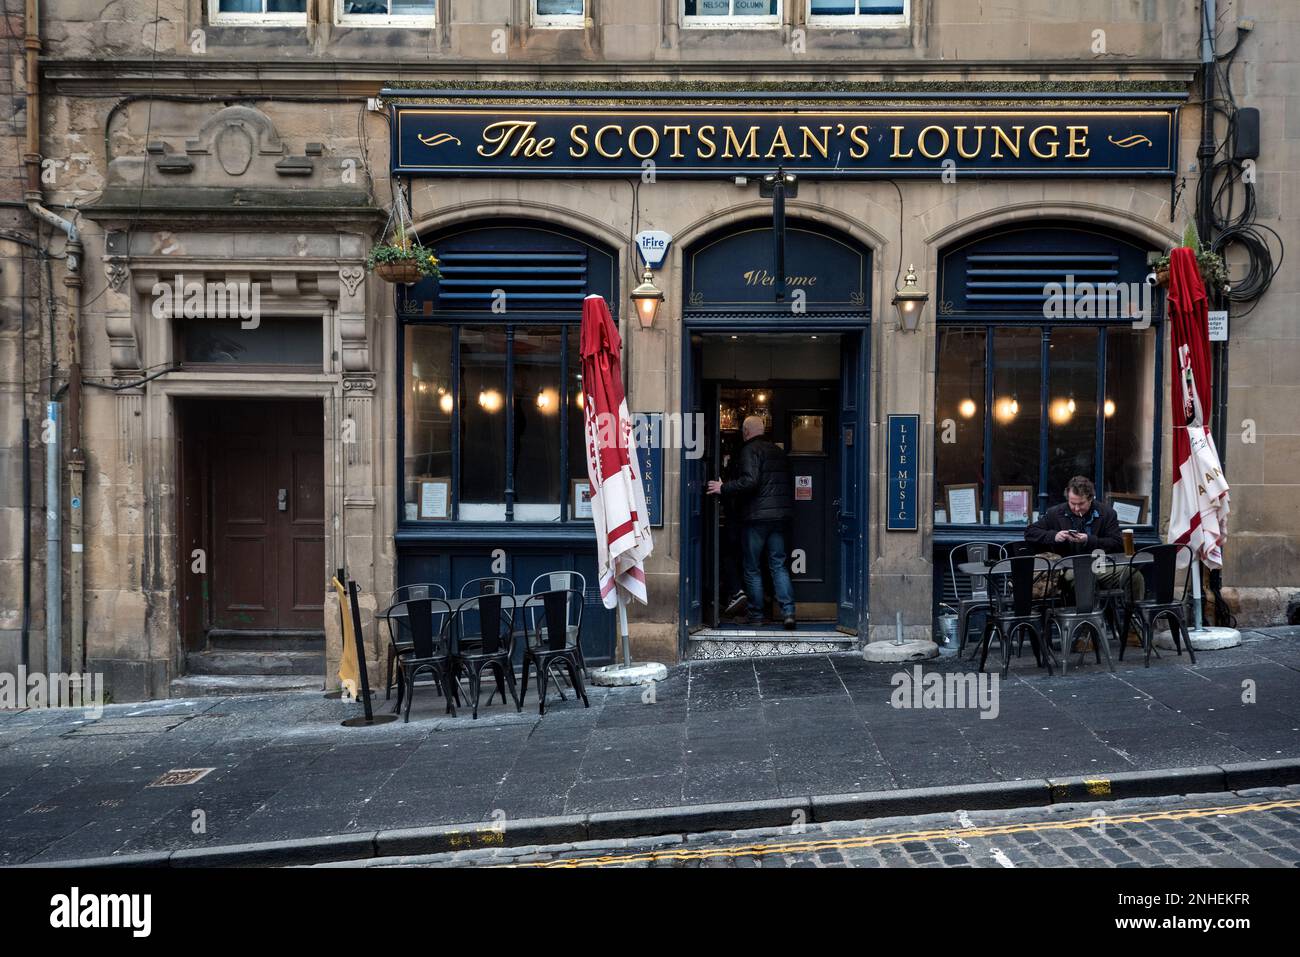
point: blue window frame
(1046, 367)
(491, 425)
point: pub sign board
(901, 475)
(685, 142)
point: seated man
(1082, 525)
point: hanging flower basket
(402, 270)
(1214, 271)
(403, 260)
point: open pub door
(851, 524)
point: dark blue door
(693, 479)
(851, 523)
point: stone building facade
(193, 143)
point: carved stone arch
(1021, 214)
(453, 214)
(857, 230)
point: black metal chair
(398, 637)
(483, 638)
(1017, 549)
(1159, 565)
(489, 585)
(977, 598)
(559, 646)
(1015, 611)
(427, 619)
(1087, 617)
(563, 581)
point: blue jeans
(769, 535)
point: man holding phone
(1079, 525)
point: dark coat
(762, 485)
(1100, 523)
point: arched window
(1047, 367)
(492, 427)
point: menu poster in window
(1129, 509)
(435, 498)
(1014, 503)
(963, 504)
(580, 498)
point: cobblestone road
(1258, 828)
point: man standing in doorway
(764, 490)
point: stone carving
(234, 147)
(351, 277)
(116, 273)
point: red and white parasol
(1198, 515)
(618, 507)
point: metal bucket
(945, 633)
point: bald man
(765, 492)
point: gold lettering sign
(702, 142)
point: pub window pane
(482, 489)
(577, 423)
(1129, 410)
(272, 342)
(384, 8)
(286, 6)
(1071, 409)
(829, 8)
(537, 423)
(1017, 378)
(559, 8)
(959, 399)
(731, 8)
(428, 404)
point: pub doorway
(796, 383)
(252, 529)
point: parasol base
(1207, 639)
(613, 676)
(917, 650)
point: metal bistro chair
(1088, 616)
(1159, 564)
(559, 646)
(563, 581)
(483, 638)
(399, 641)
(979, 599)
(430, 651)
(1015, 610)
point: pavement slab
(721, 733)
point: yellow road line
(803, 847)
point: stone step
(256, 663)
(265, 640)
(720, 645)
(200, 686)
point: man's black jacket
(762, 484)
(1100, 523)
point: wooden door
(268, 516)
